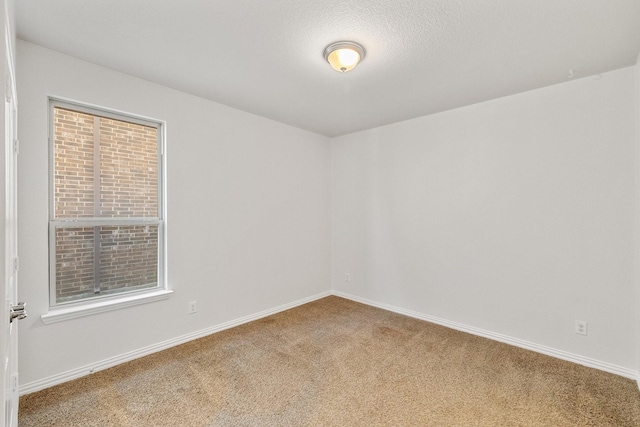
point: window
(106, 228)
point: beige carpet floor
(334, 362)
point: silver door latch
(18, 311)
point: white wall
(248, 220)
(514, 216)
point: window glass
(106, 227)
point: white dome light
(343, 56)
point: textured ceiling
(265, 56)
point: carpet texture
(334, 362)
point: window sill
(61, 314)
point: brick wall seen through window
(107, 215)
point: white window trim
(75, 309)
(126, 300)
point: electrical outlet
(581, 327)
(347, 277)
(192, 307)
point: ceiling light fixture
(343, 56)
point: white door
(10, 311)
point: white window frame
(99, 303)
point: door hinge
(8, 93)
(18, 311)
(16, 146)
(16, 264)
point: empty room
(321, 213)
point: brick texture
(128, 256)
(73, 164)
(128, 169)
(127, 188)
(74, 262)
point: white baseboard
(549, 351)
(113, 361)
(126, 357)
